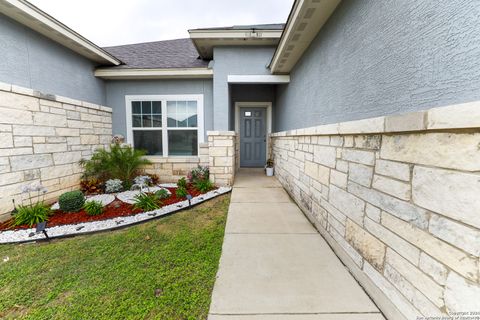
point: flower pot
(269, 172)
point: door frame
(263, 104)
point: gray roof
(269, 26)
(179, 53)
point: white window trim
(164, 99)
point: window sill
(174, 159)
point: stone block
(16, 151)
(442, 149)
(26, 162)
(367, 245)
(433, 268)
(56, 171)
(338, 178)
(401, 209)
(9, 178)
(67, 157)
(413, 121)
(371, 125)
(359, 156)
(393, 187)
(360, 174)
(371, 142)
(465, 115)
(49, 119)
(5, 128)
(450, 193)
(89, 139)
(452, 257)
(461, 295)
(373, 212)
(323, 175)
(17, 101)
(49, 147)
(342, 166)
(21, 130)
(325, 156)
(351, 252)
(393, 169)
(347, 203)
(459, 235)
(15, 116)
(6, 140)
(22, 141)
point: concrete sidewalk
(275, 265)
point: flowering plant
(199, 174)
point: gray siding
(117, 90)
(375, 58)
(235, 61)
(31, 60)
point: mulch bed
(115, 209)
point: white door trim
(268, 106)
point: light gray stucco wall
(31, 60)
(234, 61)
(375, 58)
(117, 90)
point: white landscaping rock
(24, 235)
(129, 196)
(105, 199)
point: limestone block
(5, 128)
(311, 169)
(450, 256)
(325, 156)
(223, 143)
(373, 212)
(16, 151)
(21, 130)
(67, 157)
(461, 295)
(26, 162)
(393, 187)
(338, 178)
(89, 139)
(354, 255)
(9, 178)
(4, 165)
(90, 117)
(412, 121)
(56, 171)
(21, 141)
(459, 235)
(6, 140)
(49, 119)
(393, 169)
(360, 174)
(347, 203)
(359, 156)
(15, 116)
(342, 166)
(369, 247)
(371, 125)
(422, 282)
(79, 124)
(368, 142)
(218, 152)
(334, 223)
(404, 248)
(336, 141)
(39, 139)
(17, 101)
(433, 268)
(466, 115)
(56, 140)
(401, 209)
(453, 194)
(442, 149)
(49, 147)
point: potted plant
(269, 167)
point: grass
(163, 269)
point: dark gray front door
(252, 137)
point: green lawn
(163, 269)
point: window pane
(157, 120)
(136, 121)
(146, 121)
(136, 107)
(192, 107)
(171, 107)
(182, 142)
(146, 107)
(157, 107)
(192, 121)
(151, 141)
(181, 106)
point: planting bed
(116, 214)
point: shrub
(204, 185)
(93, 208)
(162, 194)
(31, 214)
(154, 178)
(120, 162)
(113, 185)
(181, 192)
(199, 173)
(182, 183)
(143, 181)
(146, 202)
(71, 201)
(91, 185)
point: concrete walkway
(275, 265)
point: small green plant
(113, 185)
(269, 163)
(204, 185)
(182, 183)
(71, 201)
(162, 194)
(31, 214)
(93, 208)
(181, 192)
(146, 202)
(199, 173)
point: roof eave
(304, 22)
(27, 14)
(160, 73)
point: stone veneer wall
(42, 138)
(221, 154)
(398, 199)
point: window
(165, 125)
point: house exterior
(369, 109)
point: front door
(252, 137)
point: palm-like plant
(120, 162)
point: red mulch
(115, 209)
